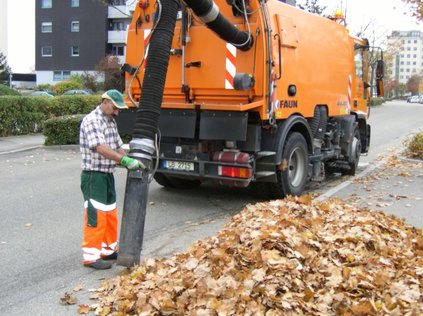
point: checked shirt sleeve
(94, 134)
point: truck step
(262, 154)
(262, 174)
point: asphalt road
(42, 215)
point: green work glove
(131, 163)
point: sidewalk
(392, 184)
(12, 144)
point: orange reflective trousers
(101, 215)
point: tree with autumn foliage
(417, 6)
(109, 66)
(391, 87)
(413, 84)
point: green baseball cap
(116, 97)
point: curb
(54, 147)
(365, 172)
(20, 150)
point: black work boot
(112, 256)
(99, 264)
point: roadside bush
(63, 86)
(21, 115)
(25, 114)
(5, 90)
(63, 130)
(377, 101)
(414, 146)
(72, 104)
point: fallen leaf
(78, 287)
(68, 299)
(83, 309)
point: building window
(408, 70)
(118, 50)
(46, 27)
(408, 55)
(46, 51)
(75, 26)
(116, 26)
(74, 3)
(408, 62)
(61, 75)
(46, 4)
(414, 63)
(414, 56)
(75, 50)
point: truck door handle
(193, 64)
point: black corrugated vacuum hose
(147, 116)
(209, 13)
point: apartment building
(408, 54)
(73, 36)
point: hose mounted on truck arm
(142, 145)
(209, 13)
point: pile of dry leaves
(284, 257)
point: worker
(101, 149)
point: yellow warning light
(337, 14)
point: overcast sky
(382, 15)
(385, 15)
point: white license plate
(178, 165)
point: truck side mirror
(380, 69)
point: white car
(414, 99)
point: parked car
(77, 91)
(414, 99)
(421, 98)
(41, 94)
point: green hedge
(377, 101)
(63, 130)
(21, 115)
(5, 90)
(25, 114)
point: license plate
(178, 165)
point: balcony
(119, 12)
(114, 37)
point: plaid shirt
(98, 129)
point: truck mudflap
(229, 168)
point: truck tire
(293, 170)
(163, 180)
(355, 154)
(180, 183)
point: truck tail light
(235, 172)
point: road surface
(42, 217)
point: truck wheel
(293, 170)
(180, 183)
(355, 154)
(163, 180)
